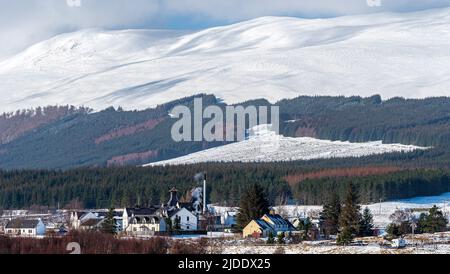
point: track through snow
(266, 146)
(404, 54)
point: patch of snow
(265, 145)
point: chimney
(204, 193)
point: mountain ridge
(393, 54)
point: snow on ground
(393, 54)
(418, 244)
(438, 243)
(381, 211)
(267, 146)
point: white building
(25, 228)
(228, 218)
(146, 225)
(142, 221)
(188, 221)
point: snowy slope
(266, 146)
(405, 54)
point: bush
(189, 247)
(90, 243)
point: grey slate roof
(22, 223)
(145, 211)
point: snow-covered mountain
(393, 54)
(266, 146)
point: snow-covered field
(393, 54)
(381, 211)
(270, 147)
(438, 243)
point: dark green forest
(386, 187)
(127, 186)
(114, 137)
(91, 158)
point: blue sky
(24, 22)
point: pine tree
(345, 237)
(177, 223)
(270, 239)
(169, 224)
(366, 223)
(253, 205)
(109, 224)
(329, 217)
(433, 222)
(280, 238)
(305, 226)
(350, 217)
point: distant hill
(114, 137)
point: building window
(187, 227)
(29, 231)
(187, 218)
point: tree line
(128, 186)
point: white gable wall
(188, 220)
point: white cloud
(23, 22)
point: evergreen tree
(329, 217)
(253, 205)
(177, 223)
(422, 223)
(109, 224)
(433, 222)
(169, 224)
(305, 226)
(270, 239)
(350, 217)
(280, 238)
(366, 224)
(345, 237)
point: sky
(25, 22)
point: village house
(269, 223)
(77, 217)
(142, 221)
(257, 229)
(91, 224)
(148, 221)
(25, 228)
(228, 219)
(187, 220)
(91, 220)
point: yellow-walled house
(262, 227)
(257, 229)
